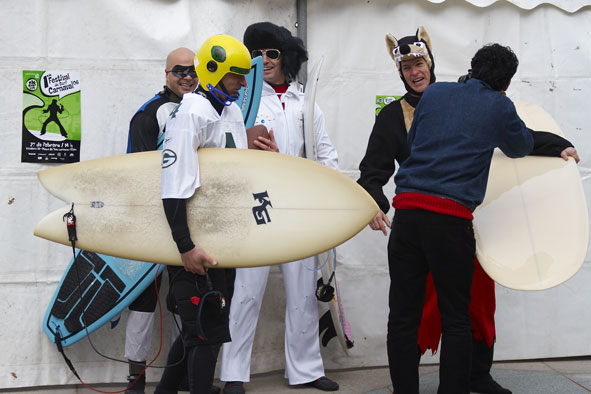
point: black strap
(60, 348)
(70, 220)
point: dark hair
(268, 35)
(495, 65)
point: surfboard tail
(49, 227)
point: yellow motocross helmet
(219, 55)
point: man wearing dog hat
(388, 142)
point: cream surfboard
(532, 227)
(339, 322)
(309, 103)
(253, 207)
(338, 325)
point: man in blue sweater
(455, 130)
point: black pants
(196, 361)
(482, 359)
(204, 317)
(423, 241)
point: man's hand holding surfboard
(570, 152)
(193, 260)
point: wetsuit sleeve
(143, 132)
(176, 215)
(387, 144)
(548, 144)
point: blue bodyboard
(94, 289)
(249, 97)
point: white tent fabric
(119, 48)
(567, 5)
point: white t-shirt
(192, 125)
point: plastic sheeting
(119, 48)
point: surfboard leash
(148, 365)
(70, 219)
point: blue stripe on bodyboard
(249, 97)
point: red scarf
(280, 89)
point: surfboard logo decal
(261, 215)
(168, 158)
(97, 204)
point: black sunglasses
(182, 71)
(272, 54)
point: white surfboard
(532, 228)
(335, 305)
(254, 208)
(309, 103)
(328, 263)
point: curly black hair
(264, 35)
(495, 65)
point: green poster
(382, 101)
(51, 117)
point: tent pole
(302, 27)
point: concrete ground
(556, 376)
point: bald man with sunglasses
(147, 125)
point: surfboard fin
(115, 322)
(326, 324)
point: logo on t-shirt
(168, 158)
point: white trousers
(138, 334)
(303, 361)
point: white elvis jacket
(288, 124)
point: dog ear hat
(411, 47)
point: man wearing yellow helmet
(146, 132)
(219, 62)
(207, 118)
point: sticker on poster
(51, 117)
(382, 101)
